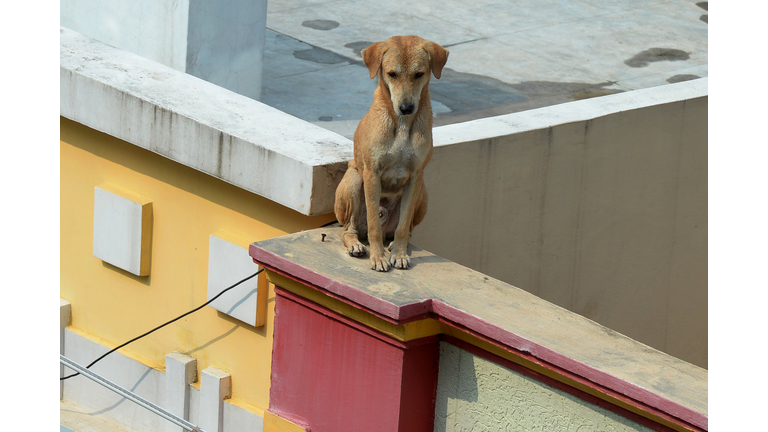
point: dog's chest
(398, 162)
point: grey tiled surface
(506, 56)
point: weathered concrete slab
(201, 125)
(496, 310)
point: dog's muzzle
(407, 108)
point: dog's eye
(419, 75)
(392, 74)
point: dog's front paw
(399, 257)
(380, 263)
(400, 261)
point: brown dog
(382, 194)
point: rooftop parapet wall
(201, 125)
(439, 297)
(599, 206)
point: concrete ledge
(570, 112)
(508, 317)
(200, 125)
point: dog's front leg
(399, 257)
(372, 186)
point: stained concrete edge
(199, 124)
(570, 112)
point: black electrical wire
(163, 325)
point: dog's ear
(372, 57)
(437, 57)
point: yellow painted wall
(111, 306)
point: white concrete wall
(219, 41)
(599, 206)
(225, 43)
(90, 399)
(155, 29)
(478, 395)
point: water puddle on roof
(643, 58)
(681, 78)
(320, 24)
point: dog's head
(404, 64)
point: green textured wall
(474, 394)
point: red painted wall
(338, 376)
(419, 386)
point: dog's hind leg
(350, 210)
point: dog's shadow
(421, 257)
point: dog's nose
(407, 108)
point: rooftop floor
(505, 56)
